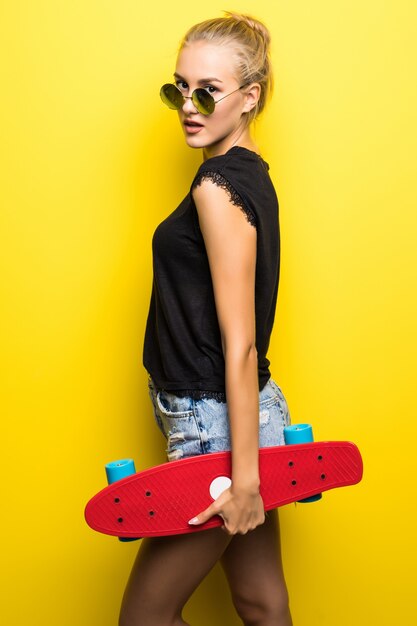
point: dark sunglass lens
(204, 101)
(171, 96)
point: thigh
(170, 568)
(253, 566)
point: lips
(192, 127)
(189, 122)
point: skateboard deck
(160, 500)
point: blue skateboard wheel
(298, 433)
(116, 470)
(301, 433)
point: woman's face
(196, 63)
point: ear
(252, 94)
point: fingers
(237, 522)
(232, 530)
(204, 515)
(243, 528)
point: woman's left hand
(241, 509)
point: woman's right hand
(242, 510)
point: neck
(242, 138)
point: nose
(189, 106)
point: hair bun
(252, 23)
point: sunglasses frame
(194, 98)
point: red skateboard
(160, 500)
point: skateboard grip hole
(323, 476)
(120, 520)
(151, 513)
(117, 500)
(293, 482)
(291, 464)
(319, 458)
(148, 493)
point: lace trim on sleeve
(222, 182)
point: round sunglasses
(202, 99)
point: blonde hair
(251, 41)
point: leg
(253, 566)
(166, 572)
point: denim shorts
(193, 427)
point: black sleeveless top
(182, 348)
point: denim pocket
(267, 396)
(174, 406)
(282, 402)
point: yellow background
(91, 163)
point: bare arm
(230, 242)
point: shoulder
(238, 165)
(239, 173)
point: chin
(194, 141)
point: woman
(216, 269)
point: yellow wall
(92, 162)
